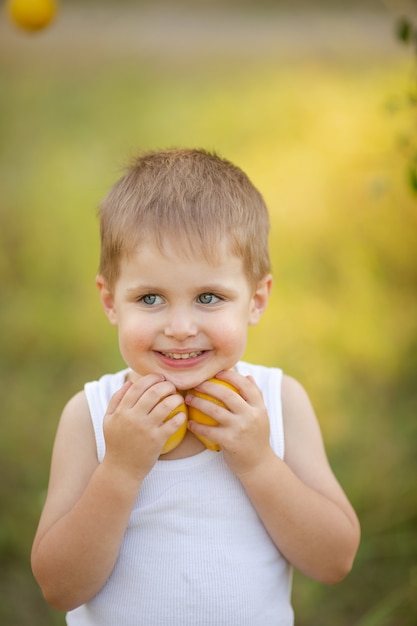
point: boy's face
(185, 319)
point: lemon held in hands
(198, 416)
(174, 440)
(31, 15)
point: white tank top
(195, 552)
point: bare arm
(88, 504)
(299, 501)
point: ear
(260, 299)
(107, 299)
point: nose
(180, 324)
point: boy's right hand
(134, 427)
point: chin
(184, 383)
(189, 380)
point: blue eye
(150, 299)
(208, 298)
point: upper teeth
(182, 355)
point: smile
(178, 356)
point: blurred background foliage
(308, 98)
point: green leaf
(412, 176)
(404, 29)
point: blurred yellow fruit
(202, 418)
(32, 14)
(174, 440)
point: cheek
(231, 337)
(134, 336)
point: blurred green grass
(316, 135)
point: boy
(130, 535)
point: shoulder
(75, 417)
(73, 462)
(305, 451)
(296, 405)
(303, 439)
(294, 397)
(74, 455)
(77, 403)
(75, 439)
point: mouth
(182, 356)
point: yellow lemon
(174, 440)
(32, 14)
(202, 418)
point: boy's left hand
(243, 424)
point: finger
(216, 392)
(213, 433)
(202, 409)
(117, 398)
(167, 405)
(147, 388)
(245, 385)
(172, 432)
(160, 393)
(172, 425)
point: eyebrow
(143, 289)
(207, 288)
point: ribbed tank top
(195, 552)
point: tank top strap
(269, 381)
(99, 393)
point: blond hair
(193, 197)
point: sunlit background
(312, 101)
